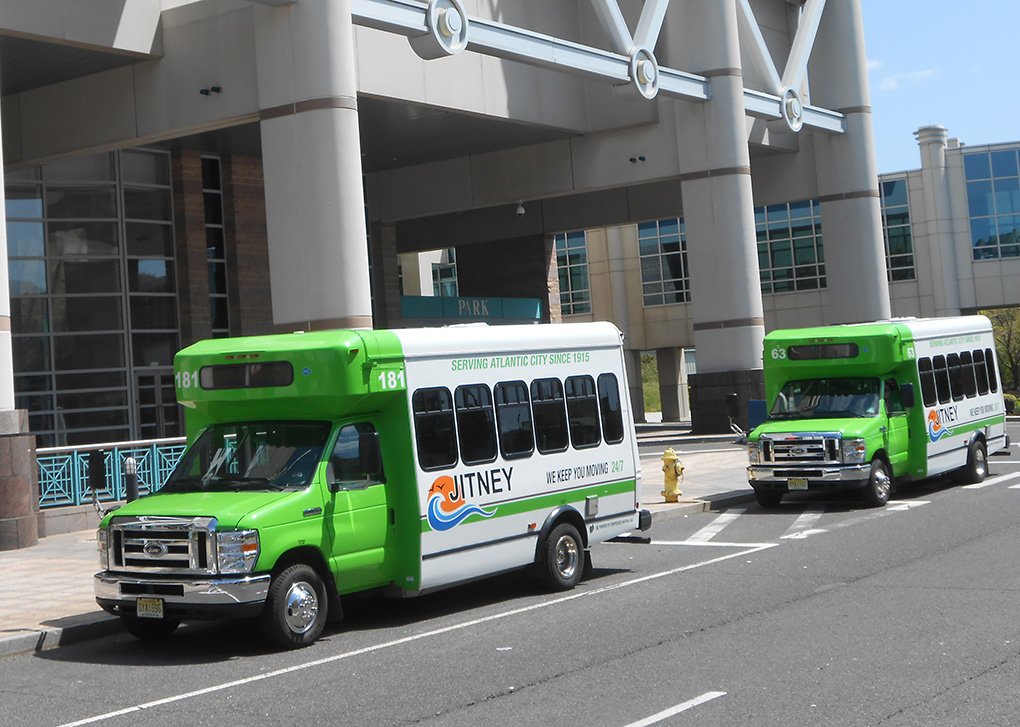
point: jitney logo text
(937, 421)
(448, 505)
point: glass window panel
(144, 167)
(81, 202)
(25, 239)
(897, 217)
(214, 246)
(154, 349)
(1007, 196)
(649, 246)
(669, 227)
(39, 402)
(26, 277)
(899, 241)
(217, 279)
(648, 229)
(30, 315)
(799, 210)
(779, 231)
(777, 213)
(96, 351)
(1004, 163)
(981, 231)
(781, 255)
(979, 198)
(894, 192)
(91, 380)
(150, 276)
(84, 276)
(210, 173)
(93, 168)
(149, 239)
(153, 312)
(23, 384)
(147, 204)
(976, 166)
(86, 314)
(213, 208)
(92, 400)
(94, 419)
(31, 353)
(23, 201)
(902, 274)
(783, 286)
(83, 238)
(1010, 251)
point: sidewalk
(46, 591)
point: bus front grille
(801, 448)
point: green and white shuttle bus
(324, 464)
(865, 406)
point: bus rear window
(814, 352)
(247, 375)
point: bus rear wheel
(879, 487)
(976, 468)
(563, 561)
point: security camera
(520, 209)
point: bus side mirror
(370, 454)
(907, 394)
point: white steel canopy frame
(437, 28)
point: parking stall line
(804, 525)
(715, 527)
(992, 481)
(682, 707)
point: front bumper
(184, 598)
(836, 477)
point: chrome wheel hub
(567, 557)
(302, 607)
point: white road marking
(992, 481)
(802, 526)
(408, 639)
(683, 707)
(712, 544)
(715, 527)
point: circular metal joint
(644, 72)
(792, 109)
(302, 607)
(447, 24)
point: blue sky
(942, 62)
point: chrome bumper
(771, 474)
(228, 591)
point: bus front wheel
(879, 487)
(295, 610)
(768, 498)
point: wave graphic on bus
(935, 429)
(446, 509)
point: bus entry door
(897, 434)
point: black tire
(976, 468)
(296, 607)
(880, 483)
(768, 498)
(149, 629)
(562, 561)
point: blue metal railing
(64, 471)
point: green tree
(1006, 327)
(650, 381)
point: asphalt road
(817, 612)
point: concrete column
(385, 280)
(718, 210)
(311, 152)
(855, 263)
(933, 141)
(668, 360)
(191, 246)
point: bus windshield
(827, 398)
(251, 456)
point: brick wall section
(247, 246)
(189, 237)
(521, 268)
(385, 277)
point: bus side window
(990, 365)
(893, 400)
(476, 427)
(942, 379)
(550, 415)
(927, 376)
(343, 469)
(955, 376)
(982, 372)
(969, 382)
(612, 412)
(583, 412)
(513, 420)
(434, 430)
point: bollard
(131, 478)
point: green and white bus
(324, 464)
(866, 406)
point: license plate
(797, 483)
(150, 607)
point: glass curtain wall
(993, 200)
(93, 290)
(572, 270)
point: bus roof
(906, 329)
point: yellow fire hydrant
(673, 475)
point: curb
(78, 629)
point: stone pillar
(933, 141)
(311, 154)
(718, 210)
(521, 268)
(855, 265)
(668, 360)
(385, 280)
(190, 243)
(19, 484)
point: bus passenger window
(927, 376)
(609, 405)
(433, 428)
(476, 428)
(982, 372)
(583, 412)
(513, 420)
(955, 376)
(993, 384)
(969, 382)
(942, 379)
(550, 415)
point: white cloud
(874, 65)
(892, 82)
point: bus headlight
(237, 550)
(854, 451)
(753, 453)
